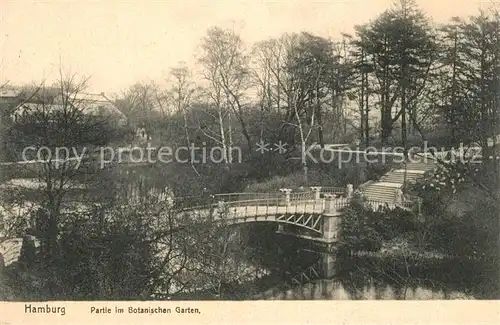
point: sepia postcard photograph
(266, 161)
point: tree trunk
(222, 135)
(367, 111)
(362, 111)
(320, 122)
(230, 139)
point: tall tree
(225, 66)
(181, 94)
(362, 89)
(402, 50)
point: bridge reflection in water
(327, 280)
(332, 289)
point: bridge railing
(376, 205)
(333, 205)
(237, 197)
(263, 202)
(302, 196)
(272, 207)
(410, 205)
(194, 202)
(341, 203)
(332, 190)
(293, 202)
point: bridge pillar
(349, 191)
(327, 264)
(331, 227)
(287, 192)
(317, 192)
(220, 207)
(329, 203)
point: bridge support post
(349, 191)
(328, 265)
(331, 227)
(317, 192)
(220, 207)
(287, 192)
(329, 203)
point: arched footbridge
(316, 212)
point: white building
(93, 104)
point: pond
(299, 273)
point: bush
(357, 228)
(390, 223)
(377, 170)
(295, 180)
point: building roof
(92, 104)
(8, 93)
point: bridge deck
(259, 209)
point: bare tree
(181, 94)
(215, 258)
(58, 119)
(226, 69)
(144, 104)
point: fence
(302, 196)
(263, 202)
(330, 198)
(407, 205)
(232, 197)
(272, 207)
(333, 190)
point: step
(408, 171)
(403, 174)
(393, 180)
(383, 188)
(419, 166)
(376, 192)
(421, 169)
(398, 178)
(387, 195)
(384, 185)
(382, 191)
(416, 170)
(380, 198)
(414, 175)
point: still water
(336, 290)
(298, 273)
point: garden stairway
(390, 185)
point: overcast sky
(118, 43)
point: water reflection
(303, 274)
(338, 290)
